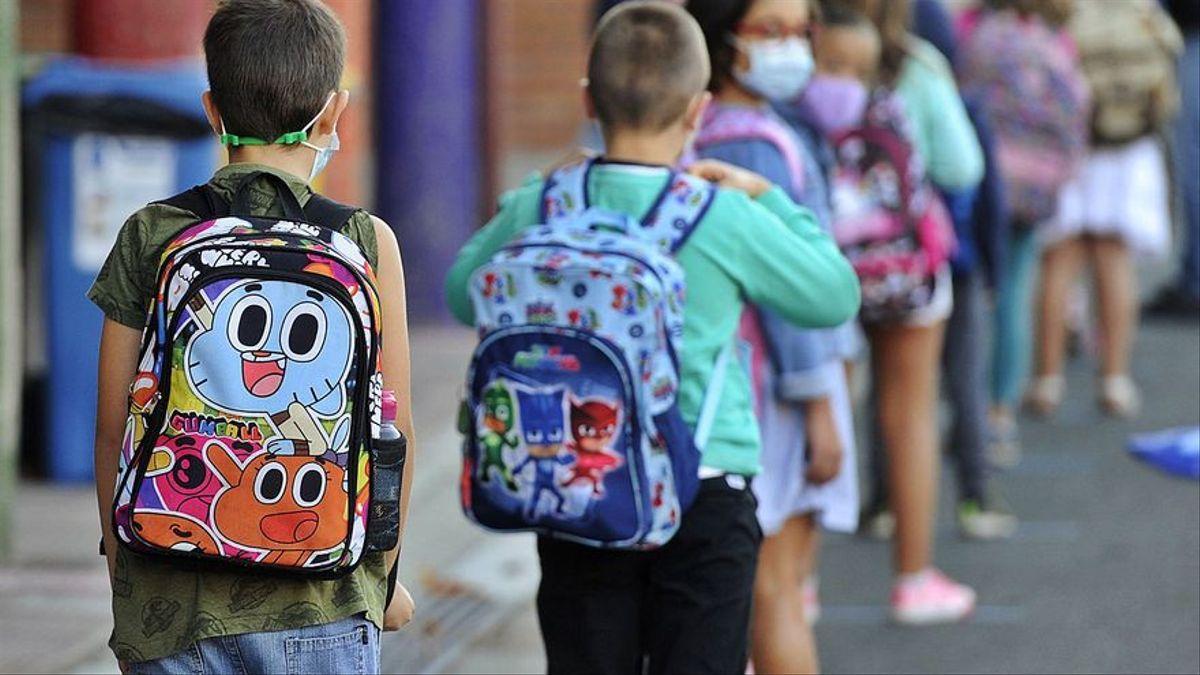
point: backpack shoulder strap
(679, 210)
(200, 200)
(327, 213)
(564, 193)
(724, 124)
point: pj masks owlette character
(498, 414)
(543, 433)
(290, 506)
(593, 425)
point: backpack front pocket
(556, 442)
(252, 452)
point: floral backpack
(571, 422)
(253, 417)
(887, 219)
(1026, 79)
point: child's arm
(118, 364)
(512, 217)
(944, 135)
(778, 254)
(395, 356)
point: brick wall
(536, 53)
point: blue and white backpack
(571, 420)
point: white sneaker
(880, 525)
(1119, 396)
(931, 597)
(811, 597)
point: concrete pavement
(1103, 575)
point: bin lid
(77, 93)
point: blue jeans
(1011, 346)
(350, 645)
(1187, 155)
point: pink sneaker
(930, 597)
(811, 597)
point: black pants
(683, 608)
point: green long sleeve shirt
(766, 251)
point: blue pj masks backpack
(571, 422)
(253, 436)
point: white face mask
(779, 67)
(321, 160)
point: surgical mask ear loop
(323, 155)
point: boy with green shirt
(684, 607)
(274, 68)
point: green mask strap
(290, 138)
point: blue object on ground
(1175, 451)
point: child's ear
(695, 111)
(589, 106)
(210, 111)
(327, 123)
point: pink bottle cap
(389, 405)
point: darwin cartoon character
(498, 420)
(290, 506)
(593, 425)
(281, 350)
(542, 430)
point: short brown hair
(647, 63)
(272, 63)
(891, 19)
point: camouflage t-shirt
(160, 608)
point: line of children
(914, 85)
(761, 54)
(684, 607)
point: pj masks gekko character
(542, 431)
(498, 416)
(593, 425)
(279, 350)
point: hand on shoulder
(729, 176)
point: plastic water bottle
(387, 428)
(388, 452)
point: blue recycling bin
(102, 141)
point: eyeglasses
(773, 30)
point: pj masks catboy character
(543, 431)
(279, 350)
(498, 414)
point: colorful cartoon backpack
(571, 421)
(250, 437)
(887, 219)
(1027, 81)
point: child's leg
(1010, 349)
(962, 363)
(781, 636)
(701, 583)
(590, 607)
(906, 365)
(1115, 287)
(1061, 265)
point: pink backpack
(725, 123)
(888, 220)
(1032, 90)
